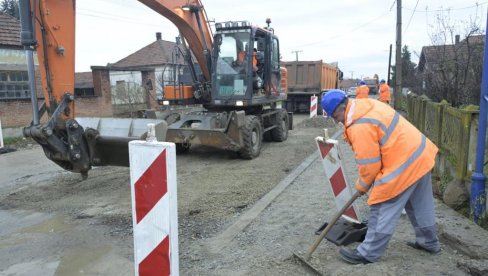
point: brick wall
(18, 113)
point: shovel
(308, 255)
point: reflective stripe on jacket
(362, 92)
(391, 154)
(384, 93)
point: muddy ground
(58, 224)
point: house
(118, 89)
(453, 71)
(347, 83)
(138, 80)
(15, 104)
(15, 91)
(13, 69)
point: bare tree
(455, 64)
(128, 93)
(10, 7)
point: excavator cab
(246, 68)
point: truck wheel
(280, 133)
(182, 148)
(252, 138)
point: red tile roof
(158, 53)
(9, 31)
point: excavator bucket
(108, 138)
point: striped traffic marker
(154, 207)
(331, 161)
(1, 135)
(313, 106)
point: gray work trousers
(383, 218)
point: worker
(242, 58)
(394, 161)
(362, 91)
(384, 92)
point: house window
(84, 92)
(14, 85)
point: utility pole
(398, 57)
(352, 74)
(296, 53)
(389, 68)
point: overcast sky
(357, 36)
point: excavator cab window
(233, 63)
(272, 67)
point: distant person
(384, 92)
(394, 161)
(362, 91)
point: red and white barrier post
(154, 206)
(313, 106)
(1, 135)
(332, 162)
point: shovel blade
(305, 262)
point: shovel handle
(331, 223)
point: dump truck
(242, 101)
(307, 78)
(373, 84)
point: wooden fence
(453, 130)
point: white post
(313, 106)
(1, 135)
(154, 206)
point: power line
(392, 5)
(450, 9)
(346, 32)
(114, 17)
(119, 19)
(410, 20)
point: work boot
(352, 256)
(416, 245)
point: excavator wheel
(182, 148)
(280, 133)
(252, 138)
(267, 136)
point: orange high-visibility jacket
(384, 93)
(391, 154)
(362, 92)
(242, 57)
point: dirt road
(54, 223)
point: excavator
(237, 79)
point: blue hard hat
(331, 100)
(362, 82)
(382, 81)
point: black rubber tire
(280, 133)
(252, 138)
(267, 136)
(182, 148)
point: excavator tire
(280, 133)
(182, 148)
(267, 136)
(252, 138)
